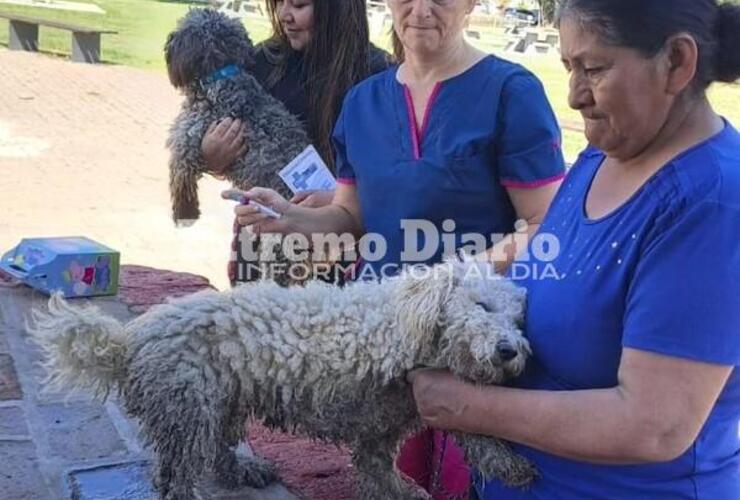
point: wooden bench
(24, 35)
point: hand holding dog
(439, 396)
(223, 143)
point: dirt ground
(82, 153)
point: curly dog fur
(318, 360)
(205, 41)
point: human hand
(439, 397)
(313, 199)
(250, 215)
(223, 143)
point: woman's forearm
(654, 413)
(596, 426)
(324, 220)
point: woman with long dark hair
(318, 50)
(334, 55)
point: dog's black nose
(505, 351)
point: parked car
(483, 7)
(531, 17)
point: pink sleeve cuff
(511, 183)
(347, 181)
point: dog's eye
(484, 306)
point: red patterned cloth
(314, 471)
(231, 269)
(317, 471)
(142, 287)
(7, 280)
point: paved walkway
(57, 446)
(82, 153)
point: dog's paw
(401, 489)
(518, 472)
(417, 494)
(256, 472)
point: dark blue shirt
(485, 130)
(291, 88)
(659, 274)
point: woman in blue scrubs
(633, 391)
(463, 141)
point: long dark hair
(645, 25)
(336, 58)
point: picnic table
(24, 35)
(239, 8)
(534, 41)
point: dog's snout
(506, 351)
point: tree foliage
(548, 9)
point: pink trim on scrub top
(510, 183)
(416, 134)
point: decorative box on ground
(76, 266)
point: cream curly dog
(321, 361)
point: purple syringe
(241, 197)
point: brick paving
(9, 387)
(57, 446)
(82, 153)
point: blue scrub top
(660, 274)
(486, 129)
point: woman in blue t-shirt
(451, 142)
(632, 390)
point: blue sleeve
(684, 299)
(345, 172)
(529, 145)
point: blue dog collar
(221, 74)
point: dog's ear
(184, 50)
(176, 68)
(204, 41)
(231, 43)
(184, 194)
(422, 293)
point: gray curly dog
(319, 360)
(205, 42)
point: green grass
(143, 26)
(724, 98)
